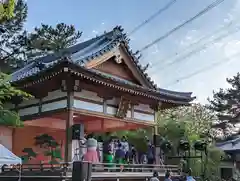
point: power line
(205, 10)
(160, 11)
(199, 49)
(213, 65)
(198, 41)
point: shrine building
(98, 83)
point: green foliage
(166, 146)
(48, 39)
(192, 124)
(6, 10)
(225, 103)
(13, 39)
(137, 138)
(7, 93)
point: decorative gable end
(118, 63)
(119, 70)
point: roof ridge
(233, 141)
(116, 30)
(171, 91)
(116, 33)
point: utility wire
(205, 10)
(160, 11)
(199, 49)
(211, 66)
(185, 49)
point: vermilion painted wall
(24, 138)
(6, 137)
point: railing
(109, 167)
(104, 170)
(100, 170)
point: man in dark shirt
(151, 153)
(120, 155)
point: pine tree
(9, 93)
(226, 103)
(13, 39)
(6, 9)
(10, 46)
(48, 39)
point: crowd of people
(117, 150)
(120, 151)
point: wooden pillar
(68, 86)
(156, 112)
(68, 132)
(155, 132)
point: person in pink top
(91, 155)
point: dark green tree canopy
(48, 39)
(226, 103)
(8, 94)
(13, 38)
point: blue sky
(92, 17)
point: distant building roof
(230, 145)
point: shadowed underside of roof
(84, 52)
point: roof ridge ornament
(144, 69)
(118, 33)
(118, 57)
(118, 28)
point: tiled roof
(164, 92)
(80, 54)
(230, 146)
(88, 50)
